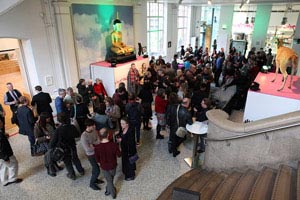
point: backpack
(57, 154)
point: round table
(197, 128)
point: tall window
(183, 26)
(155, 28)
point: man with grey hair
(59, 101)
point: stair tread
(200, 183)
(243, 188)
(225, 189)
(166, 194)
(284, 187)
(263, 186)
(208, 190)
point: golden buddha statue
(118, 47)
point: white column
(66, 42)
(172, 33)
(140, 24)
(224, 35)
(195, 22)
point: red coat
(99, 89)
(160, 105)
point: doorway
(12, 70)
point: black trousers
(95, 169)
(71, 157)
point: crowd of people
(113, 128)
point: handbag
(133, 159)
(181, 131)
(39, 149)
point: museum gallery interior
(221, 120)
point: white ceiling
(222, 2)
(6, 5)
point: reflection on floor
(156, 169)
(16, 79)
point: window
(183, 26)
(155, 29)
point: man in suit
(11, 97)
(42, 101)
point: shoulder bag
(74, 120)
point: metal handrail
(249, 134)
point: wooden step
(200, 183)
(263, 186)
(298, 181)
(285, 184)
(209, 189)
(226, 187)
(243, 188)
(167, 193)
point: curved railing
(269, 141)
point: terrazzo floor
(156, 169)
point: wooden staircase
(267, 184)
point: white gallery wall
(23, 22)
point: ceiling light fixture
(180, 1)
(209, 2)
(248, 1)
(247, 20)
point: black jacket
(5, 148)
(64, 135)
(83, 91)
(42, 100)
(81, 111)
(184, 116)
(201, 115)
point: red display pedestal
(268, 102)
